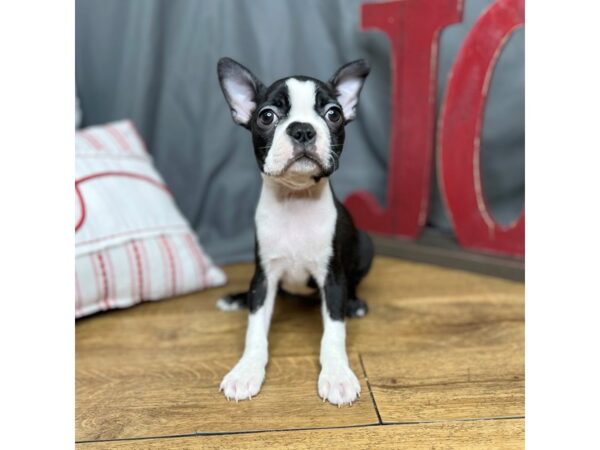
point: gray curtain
(154, 61)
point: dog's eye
(333, 115)
(267, 117)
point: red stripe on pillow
(140, 270)
(200, 263)
(96, 284)
(132, 272)
(119, 138)
(91, 139)
(174, 256)
(179, 264)
(166, 277)
(97, 289)
(146, 269)
(104, 281)
(205, 263)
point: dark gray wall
(155, 62)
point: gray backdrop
(154, 61)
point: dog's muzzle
(300, 153)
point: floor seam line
(226, 433)
(283, 430)
(470, 419)
(362, 365)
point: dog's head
(297, 123)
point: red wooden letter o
(460, 129)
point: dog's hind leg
(355, 307)
(233, 302)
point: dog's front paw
(243, 382)
(338, 385)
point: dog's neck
(291, 190)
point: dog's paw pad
(360, 312)
(356, 308)
(243, 382)
(339, 386)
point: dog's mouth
(304, 161)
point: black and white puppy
(305, 239)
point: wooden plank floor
(483, 434)
(439, 357)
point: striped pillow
(131, 242)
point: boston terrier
(305, 238)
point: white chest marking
(295, 233)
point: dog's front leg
(337, 383)
(245, 379)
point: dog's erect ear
(240, 87)
(347, 82)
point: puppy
(305, 238)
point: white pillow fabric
(131, 242)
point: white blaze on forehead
(302, 98)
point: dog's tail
(233, 302)
(239, 300)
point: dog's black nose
(301, 132)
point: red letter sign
(413, 27)
(460, 130)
